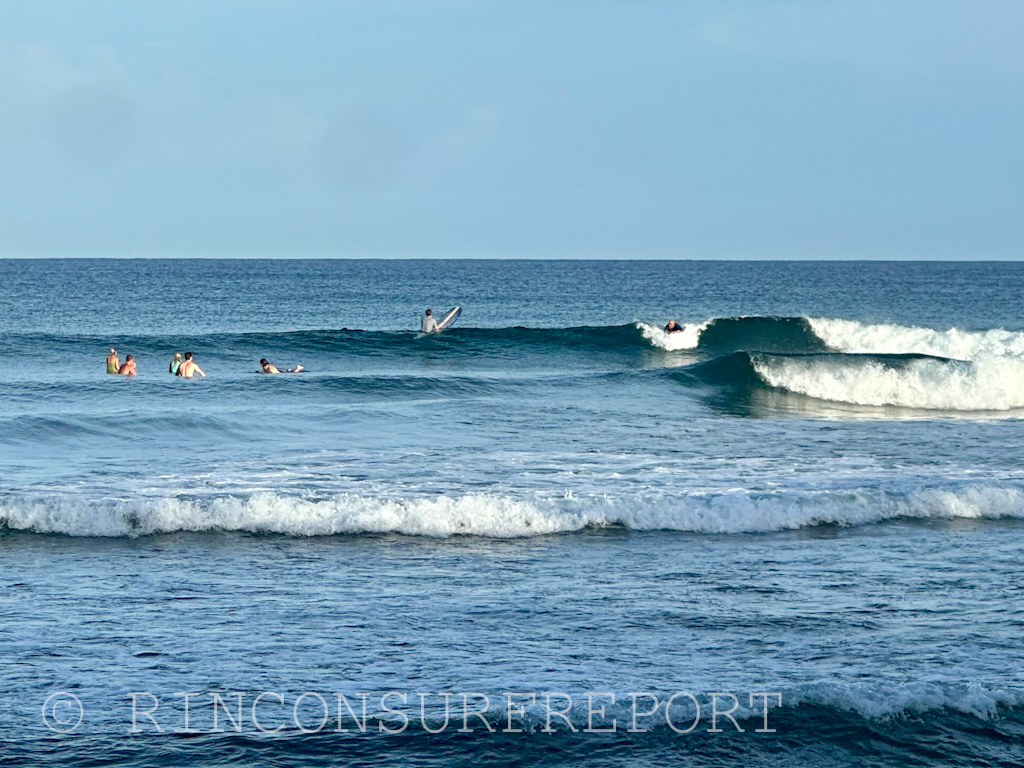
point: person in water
(429, 324)
(175, 363)
(189, 367)
(128, 369)
(268, 367)
(673, 327)
(113, 364)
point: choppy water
(815, 489)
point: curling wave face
(849, 362)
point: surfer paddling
(673, 327)
(269, 367)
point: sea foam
(737, 511)
(688, 338)
(985, 384)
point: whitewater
(956, 370)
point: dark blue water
(814, 490)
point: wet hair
(263, 361)
(129, 357)
(188, 355)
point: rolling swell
(768, 334)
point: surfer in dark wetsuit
(673, 327)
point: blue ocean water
(814, 490)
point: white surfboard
(449, 317)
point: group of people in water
(185, 367)
(188, 368)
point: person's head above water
(429, 312)
(264, 362)
(129, 358)
(113, 351)
(188, 355)
(177, 355)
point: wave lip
(495, 516)
(907, 381)
(852, 336)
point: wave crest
(990, 384)
(852, 336)
(495, 516)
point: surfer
(128, 369)
(429, 324)
(113, 364)
(189, 367)
(268, 367)
(175, 363)
(673, 327)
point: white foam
(688, 338)
(737, 511)
(851, 336)
(986, 384)
(876, 702)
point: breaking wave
(851, 336)
(845, 361)
(504, 517)
(992, 384)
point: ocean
(790, 534)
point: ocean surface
(814, 491)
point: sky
(781, 129)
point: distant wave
(503, 516)
(714, 335)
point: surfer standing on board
(429, 324)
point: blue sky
(643, 129)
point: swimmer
(128, 369)
(429, 324)
(268, 367)
(175, 363)
(189, 367)
(673, 327)
(113, 364)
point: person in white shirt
(429, 324)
